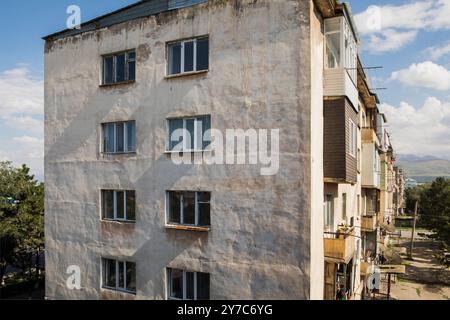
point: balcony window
(119, 205)
(186, 285)
(119, 275)
(329, 212)
(189, 208)
(120, 67)
(189, 134)
(119, 137)
(188, 56)
(340, 46)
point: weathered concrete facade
(266, 238)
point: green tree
(435, 208)
(21, 219)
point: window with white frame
(119, 67)
(352, 138)
(188, 56)
(119, 205)
(189, 134)
(189, 208)
(340, 46)
(119, 137)
(186, 285)
(119, 275)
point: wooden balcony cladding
(369, 223)
(339, 165)
(339, 246)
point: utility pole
(413, 231)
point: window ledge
(127, 222)
(108, 85)
(187, 151)
(185, 74)
(187, 228)
(118, 153)
(119, 290)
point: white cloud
(24, 123)
(424, 130)
(21, 93)
(437, 52)
(426, 74)
(389, 41)
(398, 24)
(22, 100)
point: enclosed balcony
(339, 246)
(340, 75)
(369, 223)
(370, 177)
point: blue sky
(409, 38)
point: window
(119, 205)
(189, 134)
(344, 206)
(120, 67)
(352, 138)
(119, 137)
(188, 56)
(340, 46)
(329, 214)
(186, 285)
(119, 275)
(189, 208)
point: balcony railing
(369, 223)
(339, 246)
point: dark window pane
(108, 70)
(121, 274)
(190, 134)
(204, 209)
(119, 137)
(131, 136)
(174, 207)
(176, 281)
(131, 65)
(202, 54)
(131, 207)
(120, 68)
(132, 70)
(108, 204)
(131, 276)
(108, 137)
(175, 134)
(189, 208)
(190, 285)
(202, 286)
(174, 58)
(188, 56)
(120, 212)
(206, 132)
(110, 273)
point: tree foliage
(434, 206)
(21, 218)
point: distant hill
(423, 169)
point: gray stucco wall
(259, 77)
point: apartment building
(138, 225)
